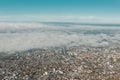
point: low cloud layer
(24, 36)
(59, 18)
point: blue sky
(61, 10)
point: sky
(60, 10)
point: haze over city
(59, 39)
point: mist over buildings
(17, 36)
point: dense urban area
(62, 63)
